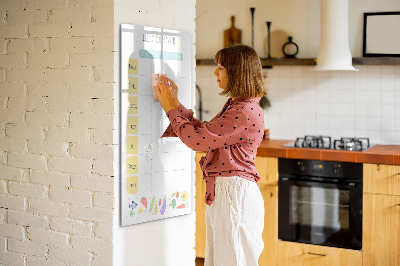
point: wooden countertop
(379, 154)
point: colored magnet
(131, 165)
(132, 145)
(132, 185)
(133, 66)
(132, 125)
(133, 107)
(133, 85)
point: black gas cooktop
(325, 142)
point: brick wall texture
(56, 132)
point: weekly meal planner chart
(156, 173)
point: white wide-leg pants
(234, 223)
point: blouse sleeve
(186, 113)
(223, 131)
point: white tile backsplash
(365, 103)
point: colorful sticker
(173, 204)
(164, 205)
(144, 202)
(152, 203)
(185, 195)
(155, 209)
(133, 205)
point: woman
(235, 207)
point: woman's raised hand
(164, 94)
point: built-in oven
(320, 202)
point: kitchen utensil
(269, 38)
(232, 35)
(252, 9)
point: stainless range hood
(334, 52)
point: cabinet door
(270, 233)
(381, 230)
(297, 254)
(200, 209)
(267, 168)
(381, 179)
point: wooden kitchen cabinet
(270, 233)
(381, 230)
(200, 209)
(381, 179)
(298, 254)
(267, 167)
(381, 215)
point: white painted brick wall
(69, 256)
(71, 226)
(49, 178)
(24, 132)
(37, 261)
(48, 147)
(70, 165)
(91, 213)
(26, 16)
(46, 207)
(56, 122)
(71, 44)
(28, 219)
(18, 46)
(94, 182)
(50, 238)
(27, 247)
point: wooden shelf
(312, 61)
(376, 61)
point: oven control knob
(302, 167)
(336, 169)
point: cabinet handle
(318, 254)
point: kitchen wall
(168, 241)
(59, 98)
(56, 122)
(339, 104)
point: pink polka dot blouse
(231, 139)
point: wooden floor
(199, 262)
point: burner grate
(324, 142)
(320, 142)
(351, 144)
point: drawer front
(293, 254)
(381, 179)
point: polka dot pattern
(231, 139)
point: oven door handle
(329, 184)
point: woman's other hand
(164, 94)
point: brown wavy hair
(245, 78)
